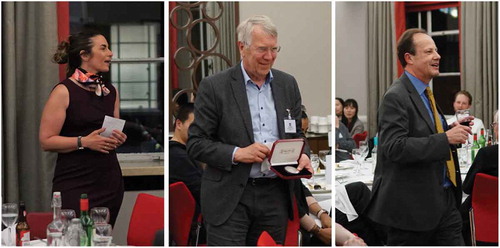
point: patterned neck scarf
(93, 81)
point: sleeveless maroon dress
(86, 171)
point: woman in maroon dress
(71, 123)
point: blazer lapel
(240, 96)
(279, 98)
(417, 101)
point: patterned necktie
(450, 165)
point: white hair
(245, 28)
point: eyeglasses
(262, 50)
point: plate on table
(345, 165)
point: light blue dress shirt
(263, 115)
(420, 87)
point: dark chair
(292, 231)
(484, 211)
(147, 219)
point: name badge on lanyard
(290, 124)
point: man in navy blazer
(237, 111)
(413, 197)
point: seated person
(351, 121)
(304, 120)
(321, 235)
(463, 100)
(343, 141)
(181, 167)
(486, 161)
(345, 238)
(355, 221)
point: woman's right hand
(96, 142)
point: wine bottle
(482, 139)
(87, 222)
(22, 227)
(475, 148)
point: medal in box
(284, 158)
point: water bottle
(55, 228)
(76, 236)
(374, 152)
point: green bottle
(482, 139)
(87, 222)
(475, 147)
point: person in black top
(486, 161)
(182, 168)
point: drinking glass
(66, 216)
(315, 165)
(102, 235)
(9, 218)
(322, 156)
(100, 215)
(461, 114)
(462, 158)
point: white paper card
(111, 123)
(265, 166)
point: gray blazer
(222, 122)
(407, 188)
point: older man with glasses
(237, 111)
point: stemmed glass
(360, 154)
(315, 165)
(100, 215)
(102, 235)
(66, 216)
(10, 212)
(322, 156)
(461, 114)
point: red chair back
(38, 222)
(359, 137)
(181, 213)
(292, 230)
(147, 218)
(485, 206)
(266, 240)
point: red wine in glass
(465, 123)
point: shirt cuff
(232, 157)
(307, 222)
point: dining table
(349, 171)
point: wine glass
(10, 212)
(100, 215)
(102, 235)
(66, 216)
(461, 114)
(322, 156)
(315, 165)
